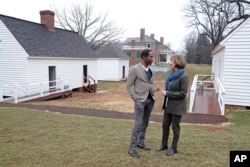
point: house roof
(147, 39)
(221, 45)
(111, 50)
(38, 41)
(234, 30)
(137, 39)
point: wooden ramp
(55, 95)
(38, 97)
(206, 102)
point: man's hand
(157, 90)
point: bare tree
(190, 45)
(203, 50)
(214, 18)
(96, 29)
(242, 7)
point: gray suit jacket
(138, 85)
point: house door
(52, 77)
(123, 71)
(85, 73)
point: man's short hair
(145, 53)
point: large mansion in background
(133, 46)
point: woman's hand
(163, 92)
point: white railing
(221, 94)
(29, 91)
(192, 93)
(199, 85)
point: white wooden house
(32, 53)
(231, 63)
(113, 63)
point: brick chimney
(162, 40)
(47, 19)
(152, 36)
(132, 43)
(142, 34)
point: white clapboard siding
(66, 69)
(111, 69)
(13, 59)
(218, 65)
(236, 65)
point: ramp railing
(18, 93)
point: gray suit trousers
(142, 115)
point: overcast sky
(164, 18)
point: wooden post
(62, 86)
(41, 89)
(15, 91)
(27, 89)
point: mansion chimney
(142, 34)
(152, 36)
(162, 40)
(47, 19)
(132, 43)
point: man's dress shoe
(144, 147)
(133, 153)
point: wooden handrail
(90, 87)
(34, 90)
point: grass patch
(33, 138)
(106, 85)
(193, 69)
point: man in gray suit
(140, 88)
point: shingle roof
(37, 40)
(137, 39)
(112, 51)
(147, 39)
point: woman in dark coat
(176, 88)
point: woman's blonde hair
(179, 61)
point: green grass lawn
(31, 138)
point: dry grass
(111, 96)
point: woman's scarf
(172, 76)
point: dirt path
(193, 118)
